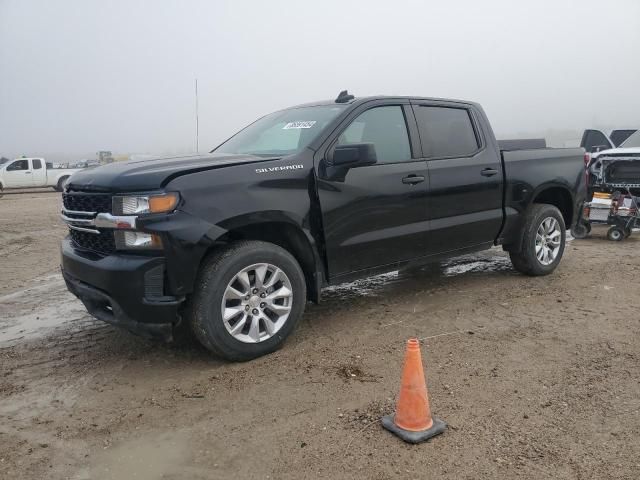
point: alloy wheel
(257, 302)
(548, 240)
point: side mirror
(353, 155)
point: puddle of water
(145, 458)
(362, 287)
(35, 311)
(475, 265)
(372, 286)
(41, 284)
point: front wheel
(543, 241)
(249, 298)
(581, 230)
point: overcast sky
(87, 75)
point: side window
(386, 128)
(446, 131)
(37, 164)
(18, 165)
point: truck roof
(360, 100)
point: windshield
(632, 142)
(281, 133)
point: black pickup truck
(234, 243)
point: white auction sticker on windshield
(308, 124)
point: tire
(1, 191)
(525, 259)
(616, 234)
(581, 230)
(218, 274)
(61, 183)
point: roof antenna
(344, 97)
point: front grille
(87, 202)
(101, 243)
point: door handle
(489, 172)
(27, 173)
(413, 179)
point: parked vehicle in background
(613, 190)
(234, 243)
(32, 173)
(629, 148)
(86, 164)
(596, 140)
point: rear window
(446, 131)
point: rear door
(39, 173)
(465, 191)
(375, 215)
(18, 174)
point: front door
(375, 215)
(465, 173)
(18, 174)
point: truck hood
(152, 174)
(618, 152)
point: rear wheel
(249, 298)
(616, 234)
(543, 241)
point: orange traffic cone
(412, 421)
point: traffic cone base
(388, 422)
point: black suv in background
(234, 243)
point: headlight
(141, 204)
(132, 240)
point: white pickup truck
(32, 173)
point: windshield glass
(281, 133)
(632, 142)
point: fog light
(132, 240)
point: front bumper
(123, 290)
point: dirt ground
(536, 377)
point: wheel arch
(284, 231)
(560, 197)
(554, 194)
